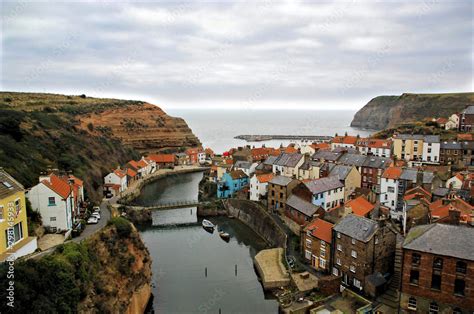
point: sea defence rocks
(258, 219)
(269, 264)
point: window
(323, 244)
(335, 271)
(1, 212)
(352, 269)
(338, 261)
(415, 259)
(438, 263)
(338, 235)
(376, 240)
(307, 254)
(434, 308)
(13, 235)
(52, 218)
(308, 243)
(436, 281)
(354, 254)
(339, 247)
(457, 311)
(322, 263)
(412, 303)
(461, 267)
(391, 189)
(51, 201)
(356, 283)
(353, 241)
(414, 276)
(17, 206)
(323, 253)
(459, 286)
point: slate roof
(270, 160)
(238, 174)
(324, 184)
(307, 208)
(469, 110)
(431, 139)
(441, 192)
(409, 136)
(451, 145)
(306, 165)
(377, 162)
(281, 180)
(326, 155)
(353, 160)
(456, 240)
(411, 174)
(288, 160)
(340, 171)
(8, 185)
(243, 164)
(359, 228)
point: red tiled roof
(142, 163)
(441, 120)
(360, 206)
(345, 140)
(321, 146)
(290, 150)
(417, 191)
(320, 229)
(58, 185)
(76, 180)
(440, 210)
(392, 173)
(466, 137)
(131, 173)
(134, 164)
(119, 173)
(162, 158)
(263, 178)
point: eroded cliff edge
(389, 111)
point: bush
(123, 226)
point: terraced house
(326, 192)
(437, 271)
(362, 247)
(14, 239)
(316, 244)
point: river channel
(195, 271)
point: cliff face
(122, 282)
(144, 127)
(87, 136)
(389, 111)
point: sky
(238, 54)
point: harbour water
(195, 271)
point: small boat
(206, 224)
(224, 235)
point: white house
(53, 198)
(453, 122)
(431, 149)
(288, 164)
(259, 186)
(246, 166)
(455, 182)
(118, 178)
(327, 192)
(201, 157)
(389, 190)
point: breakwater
(261, 138)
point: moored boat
(224, 235)
(206, 224)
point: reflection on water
(164, 217)
(195, 271)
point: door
(314, 261)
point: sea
(216, 128)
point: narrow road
(104, 219)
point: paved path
(104, 219)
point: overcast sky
(274, 53)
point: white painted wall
(62, 211)
(431, 152)
(389, 199)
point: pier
(309, 138)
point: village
(371, 224)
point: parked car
(96, 215)
(92, 220)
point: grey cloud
(268, 53)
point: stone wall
(258, 220)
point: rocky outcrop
(145, 127)
(122, 282)
(389, 111)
